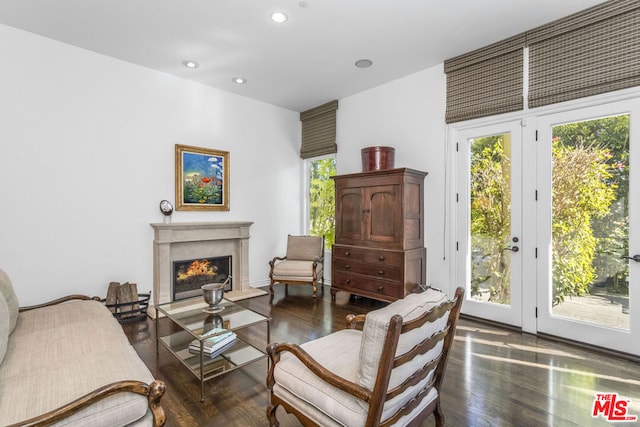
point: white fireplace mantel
(188, 240)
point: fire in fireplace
(190, 275)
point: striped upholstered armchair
(386, 369)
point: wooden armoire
(379, 238)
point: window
(321, 198)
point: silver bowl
(213, 293)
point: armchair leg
(271, 415)
(271, 287)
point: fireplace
(190, 241)
(189, 275)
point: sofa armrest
(60, 300)
(153, 391)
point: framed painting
(202, 179)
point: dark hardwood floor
(495, 376)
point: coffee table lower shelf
(205, 367)
(194, 322)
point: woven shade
(486, 82)
(319, 130)
(588, 53)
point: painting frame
(197, 187)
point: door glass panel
(590, 221)
(490, 218)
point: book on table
(214, 333)
(218, 351)
(212, 336)
(213, 345)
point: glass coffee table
(194, 326)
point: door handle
(635, 258)
(513, 248)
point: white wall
(87, 152)
(407, 114)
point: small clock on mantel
(167, 209)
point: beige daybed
(69, 363)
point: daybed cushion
(6, 289)
(78, 347)
(4, 327)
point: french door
(548, 224)
(489, 221)
(588, 215)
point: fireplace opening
(190, 275)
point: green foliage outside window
(322, 200)
(582, 193)
(491, 217)
(590, 223)
(591, 162)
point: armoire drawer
(372, 256)
(377, 270)
(364, 285)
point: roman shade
(588, 53)
(319, 130)
(486, 82)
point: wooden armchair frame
(377, 397)
(313, 282)
(153, 391)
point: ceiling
(299, 64)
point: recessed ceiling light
(364, 63)
(239, 80)
(279, 17)
(190, 64)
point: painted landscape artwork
(203, 178)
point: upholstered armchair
(385, 369)
(303, 263)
